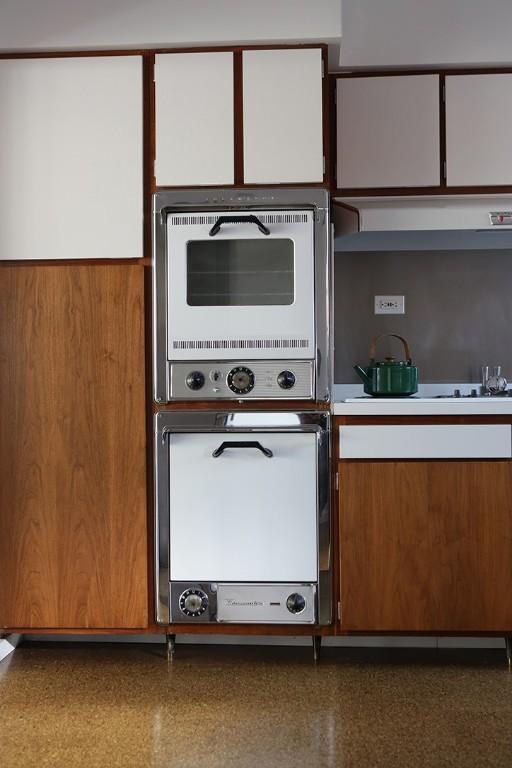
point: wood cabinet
(71, 149)
(478, 126)
(194, 119)
(239, 117)
(426, 546)
(73, 512)
(388, 131)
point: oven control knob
(193, 602)
(286, 379)
(295, 603)
(240, 380)
(195, 380)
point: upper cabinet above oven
(194, 119)
(226, 118)
(282, 116)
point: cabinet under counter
(424, 524)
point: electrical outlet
(390, 305)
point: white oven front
(241, 285)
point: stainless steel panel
(265, 380)
(266, 603)
(291, 603)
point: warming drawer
(429, 441)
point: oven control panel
(208, 603)
(239, 380)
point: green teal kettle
(389, 377)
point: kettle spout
(362, 374)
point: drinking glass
(486, 372)
(495, 383)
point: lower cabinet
(73, 524)
(426, 546)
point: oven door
(240, 285)
(243, 507)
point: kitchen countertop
(422, 406)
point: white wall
(54, 24)
(389, 33)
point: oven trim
(167, 422)
(167, 202)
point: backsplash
(458, 311)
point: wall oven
(241, 294)
(242, 517)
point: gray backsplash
(458, 311)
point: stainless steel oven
(241, 294)
(242, 517)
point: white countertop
(422, 406)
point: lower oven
(242, 518)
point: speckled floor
(94, 705)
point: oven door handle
(238, 220)
(241, 444)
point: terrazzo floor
(112, 705)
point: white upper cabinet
(194, 119)
(282, 116)
(388, 132)
(71, 158)
(478, 128)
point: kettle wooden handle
(373, 346)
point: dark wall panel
(458, 311)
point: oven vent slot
(242, 344)
(266, 218)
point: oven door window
(240, 273)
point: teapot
(389, 377)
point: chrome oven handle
(238, 220)
(241, 444)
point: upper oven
(241, 283)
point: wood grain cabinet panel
(426, 546)
(73, 526)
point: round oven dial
(193, 602)
(286, 379)
(240, 380)
(296, 603)
(195, 380)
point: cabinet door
(388, 132)
(478, 126)
(73, 541)
(426, 546)
(282, 116)
(71, 158)
(194, 119)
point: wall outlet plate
(390, 305)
